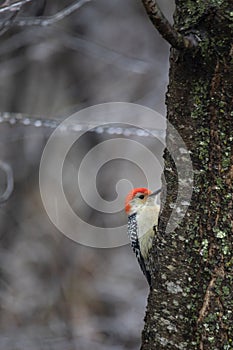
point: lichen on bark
(191, 302)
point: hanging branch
(5, 25)
(9, 183)
(168, 32)
(46, 21)
(14, 7)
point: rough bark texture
(191, 303)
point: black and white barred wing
(133, 237)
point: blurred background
(55, 293)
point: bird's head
(137, 198)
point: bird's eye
(141, 196)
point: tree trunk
(191, 303)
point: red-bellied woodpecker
(143, 212)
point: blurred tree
(191, 303)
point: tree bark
(191, 303)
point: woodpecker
(143, 212)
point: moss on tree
(191, 304)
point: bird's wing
(133, 236)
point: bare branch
(106, 54)
(165, 28)
(37, 122)
(47, 21)
(96, 50)
(10, 181)
(5, 24)
(15, 6)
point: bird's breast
(147, 219)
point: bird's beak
(155, 193)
